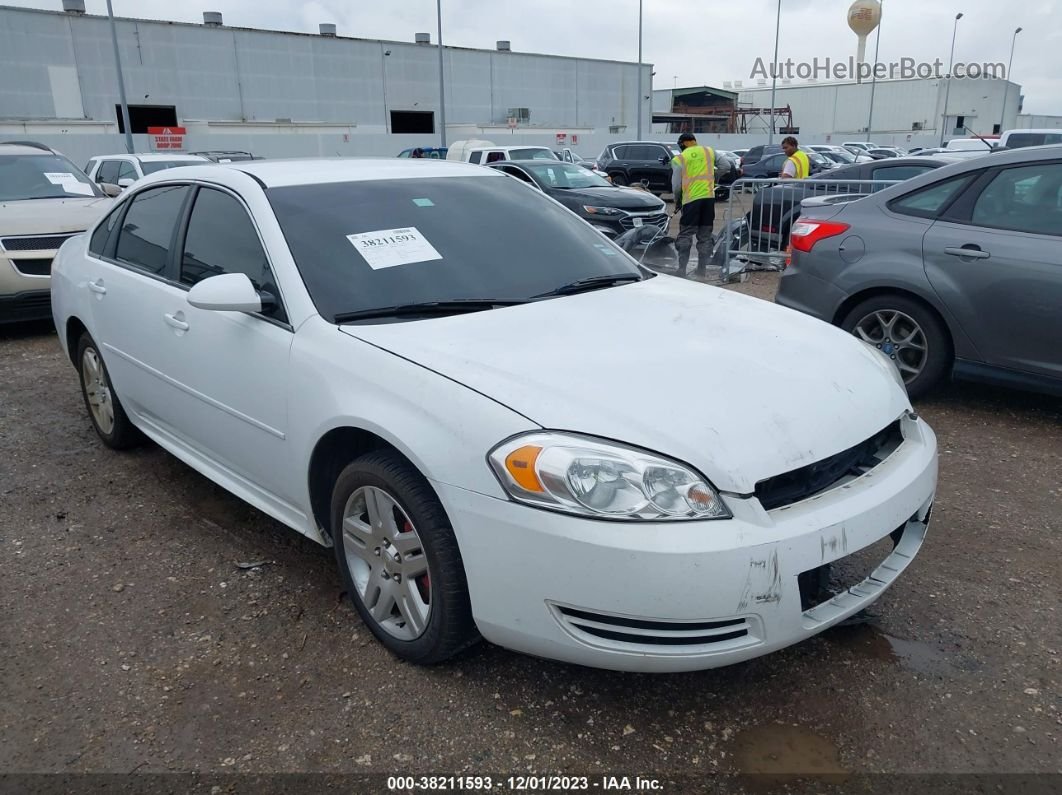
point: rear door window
(900, 173)
(127, 171)
(475, 157)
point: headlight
(587, 477)
(602, 210)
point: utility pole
(774, 69)
(1006, 84)
(442, 82)
(951, 69)
(874, 78)
(121, 80)
(639, 105)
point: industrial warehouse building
(294, 94)
(905, 111)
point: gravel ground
(137, 636)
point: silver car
(956, 272)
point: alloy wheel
(899, 337)
(387, 563)
(97, 390)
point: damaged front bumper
(692, 595)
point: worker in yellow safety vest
(693, 183)
(797, 165)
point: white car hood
(51, 216)
(737, 387)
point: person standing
(797, 165)
(693, 183)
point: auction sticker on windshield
(387, 248)
(68, 182)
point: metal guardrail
(761, 212)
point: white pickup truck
(484, 152)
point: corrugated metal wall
(226, 74)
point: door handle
(177, 321)
(97, 287)
(968, 252)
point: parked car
(881, 153)
(775, 209)
(739, 153)
(429, 152)
(971, 144)
(569, 156)
(483, 155)
(1018, 139)
(954, 272)
(768, 162)
(115, 173)
(476, 445)
(44, 200)
(226, 156)
(638, 162)
(725, 178)
(864, 146)
(611, 210)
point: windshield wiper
(454, 307)
(593, 283)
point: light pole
(121, 80)
(442, 84)
(639, 105)
(1006, 83)
(774, 69)
(951, 68)
(874, 77)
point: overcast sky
(725, 47)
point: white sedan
(503, 424)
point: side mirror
(125, 182)
(228, 292)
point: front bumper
(25, 286)
(691, 595)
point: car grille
(799, 484)
(33, 267)
(38, 243)
(657, 220)
(623, 632)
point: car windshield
(379, 243)
(43, 176)
(531, 154)
(841, 156)
(150, 167)
(562, 175)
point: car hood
(620, 198)
(738, 387)
(51, 216)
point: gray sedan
(958, 271)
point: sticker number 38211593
(386, 248)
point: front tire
(619, 181)
(399, 560)
(910, 334)
(104, 408)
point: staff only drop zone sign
(167, 137)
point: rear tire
(619, 180)
(910, 333)
(399, 560)
(101, 401)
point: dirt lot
(136, 638)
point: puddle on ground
(923, 658)
(782, 750)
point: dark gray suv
(958, 271)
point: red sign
(168, 137)
(575, 139)
(561, 138)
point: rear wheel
(104, 408)
(619, 180)
(909, 333)
(399, 560)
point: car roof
(152, 157)
(316, 171)
(507, 148)
(23, 149)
